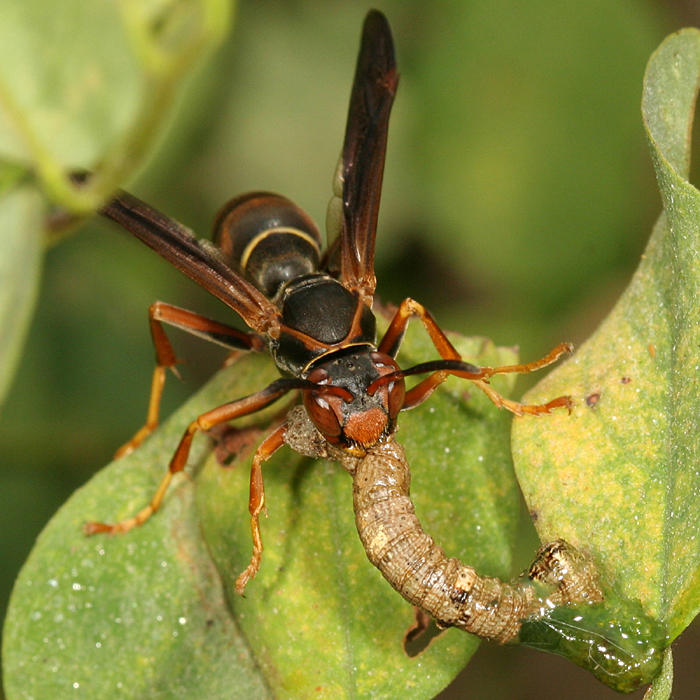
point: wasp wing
(198, 259)
(363, 154)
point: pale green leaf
(20, 264)
(145, 610)
(89, 85)
(620, 477)
(662, 686)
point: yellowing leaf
(144, 614)
(620, 477)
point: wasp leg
(552, 356)
(409, 309)
(256, 502)
(515, 407)
(158, 314)
(391, 342)
(520, 409)
(222, 414)
(480, 375)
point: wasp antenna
(457, 367)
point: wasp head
(350, 408)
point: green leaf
(662, 686)
(20, 265)
(71, 74)
(619, 477)
(135, 616)
(147, 609)
(88, 85)
(82, 85)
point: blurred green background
(518, 196)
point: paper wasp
(311, 311)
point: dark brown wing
(197, 259)
(364, 148)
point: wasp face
(357, 419)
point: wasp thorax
(355, 419)
(269, 237)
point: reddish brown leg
(420, 392)
(158, 314)
(520, 409)
(552, 356)
(206, 421)
(515, 407)
(408, 309)
(152, 416)
(256, 502)
(391, 342)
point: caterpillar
(558, 605)
(417, 568)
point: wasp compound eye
(323, 414)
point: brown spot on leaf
(626, 380)
(592, 399)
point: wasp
(310, 309)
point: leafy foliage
(621, 476)
(146, 612)
(89, 611)
(20, 264)
(84, 108)
(97, 109)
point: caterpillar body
(558, 605)
(408, 558)
(453, 592)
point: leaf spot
(592, 399)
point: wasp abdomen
(269, 237)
